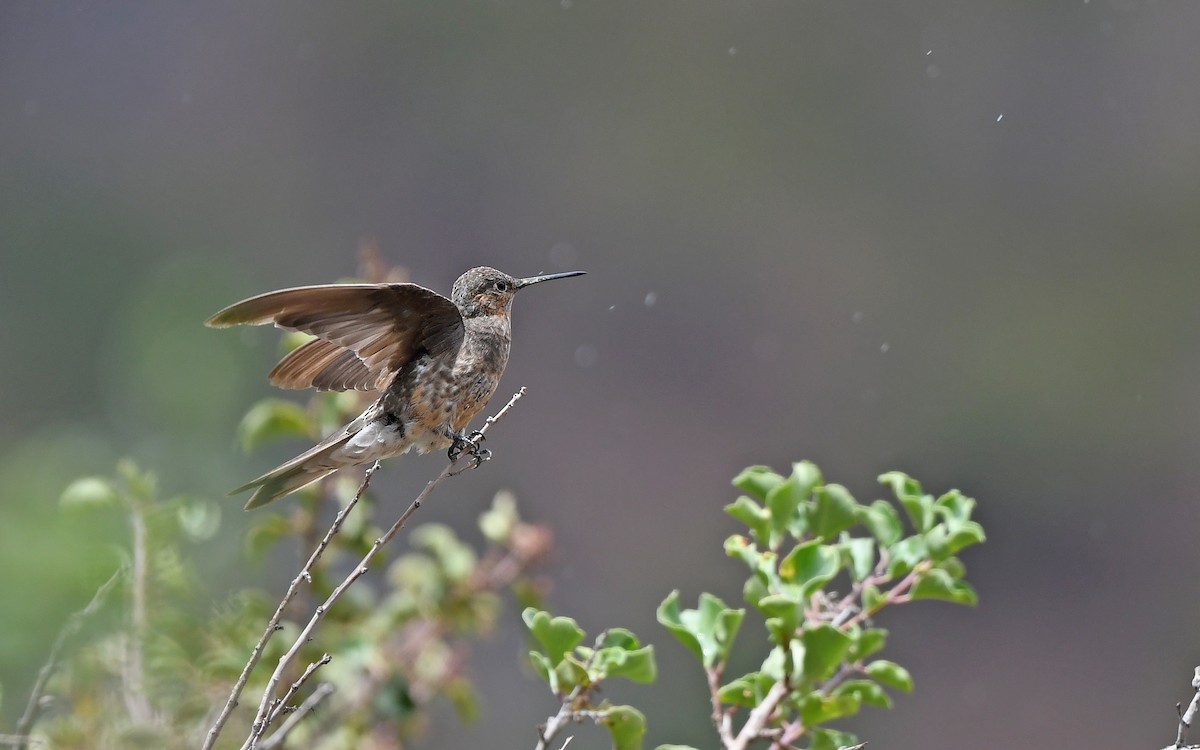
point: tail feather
(296, 474)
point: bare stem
(34, 707)
(304, 575)
(133, 669)
(756, 724)
(721, 719)
(323, 691)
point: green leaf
(90, 492)
(497, 522)
(831, 739)
(708, 631)
(541, 664)
(902, 484)
(557, 635)
(198, 519)
(810, 565)
(891, 674)
(868, 642)
(264, 533)
(761, 563)
(271, 419)
(871, 598)
(867, 693)
(621, 638)
(785, 502)
(818, 709)
(749, 690)
(783, 614)
(917, 505)
(636, 665)
(905, 554)
(882, 521)
(142, 485)
(785, 662)
(626, 724)
(859, 554)
(757, 481)
(938, 584)
(825, 647)
(807, 475)
(954, 567)
(455, 558)
(920, 511)
(954, 506)
(756, 518)
(834, 511)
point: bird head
(486, 291)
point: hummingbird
(434, 361)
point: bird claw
(472, 444)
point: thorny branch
(269, 710)
(34, 707)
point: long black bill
(521, 283)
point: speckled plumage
(435, 360)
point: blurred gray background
(954, 239)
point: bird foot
(472, 444)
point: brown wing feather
(368, 331)
(326, 366)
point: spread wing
(364, 332)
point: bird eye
(501, 286)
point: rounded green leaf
(626, 724)
(831, 739)
(810, 565)
(859, 555)
(756, 518)
(938, 584)
(198, 519)
(867, 642)
(905, 555)
(556, 635)
(785, 503)
(825, 647)
(634, 665)
(867, 693)
(882, 520)
(834, 511)
(708, 631)
(757, 481)
(271, 419)
(90, 492)
(891, 674)
(497, 522)
(902, 484)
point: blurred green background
(955, 239)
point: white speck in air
(1000, 117)
(885, 347)
(857, 316)
(612, 307)
(651, 298)
(732, 51)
